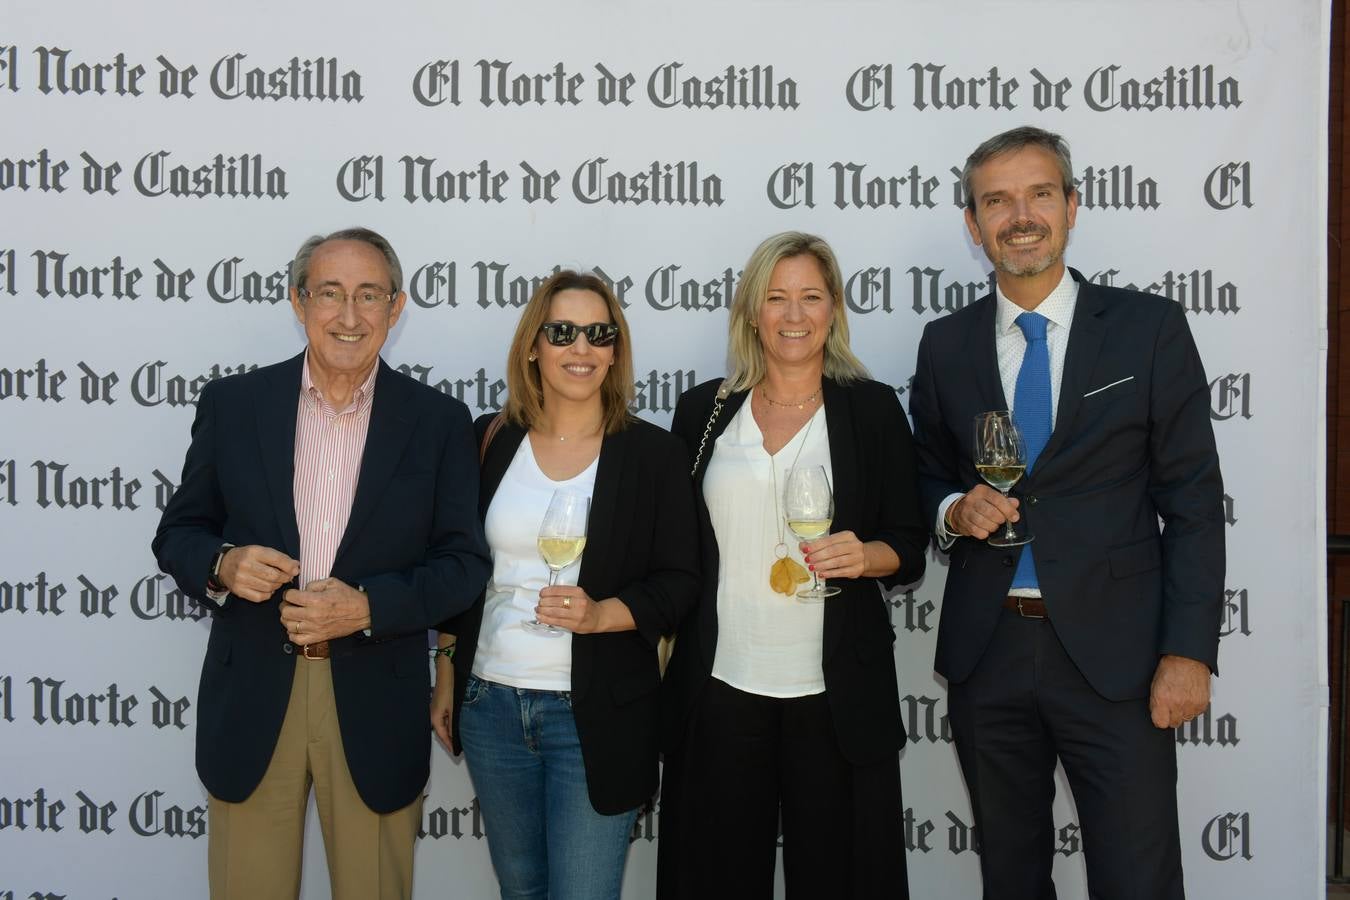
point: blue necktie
(1031, 413)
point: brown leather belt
(314, 651)
(1026, 607)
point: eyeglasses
(564, 334)
(333, 297)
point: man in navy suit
(1093, 641)
(328, 510)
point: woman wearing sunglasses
(560, 733)
(781, 701)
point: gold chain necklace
(786, 573)
(801, 404)
(580, 435)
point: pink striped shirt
(328, 448)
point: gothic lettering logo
(1231, 395)
(456, 822)
(1228, 836)
(1209, 730)
(1229, 185)
(1234, 613)
(924, 721)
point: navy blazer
(642, 547)
(413, 542)
(1132, 443)
(875, 497)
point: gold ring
(567, 603)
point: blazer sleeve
(668, 591)
(456, 623)
(1186, 487)
(936, 452)
(901, 523)
(456, 564)
(189, 532)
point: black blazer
(412, 541)
(876, 497)
(642, 547)
(1132, 442)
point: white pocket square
(1107, 387)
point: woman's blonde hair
(745, 354)
(524, 386)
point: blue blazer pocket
(1131, 559)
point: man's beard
(1035, 265)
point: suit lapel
(392, 420)
(609, 477)
(276, 409)
(983, 356)
(843, 456)
(1086, 335)
(845, 467)
(498, 459)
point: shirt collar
(363, 395)
(1057, 306)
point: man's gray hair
(300, 265)
(1011, 142)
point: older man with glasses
(328, 510)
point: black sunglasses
(564, 334)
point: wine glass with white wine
(808, 506)
(1001, 460)
(562, 537)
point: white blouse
(507, 653)
(767, 643)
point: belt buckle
(1024, 614)
(305, 651)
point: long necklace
(786, 573)
(799, 404)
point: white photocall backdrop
(161, 162)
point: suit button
(1033, 500)
(288, 648)
(1007, 560)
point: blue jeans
(545, 838)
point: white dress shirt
(767, 643)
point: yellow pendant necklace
(786, 573)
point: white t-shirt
(767, 643)
(507, 653)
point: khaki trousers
(255, 847)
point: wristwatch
(213, 583)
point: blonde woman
(778, 709)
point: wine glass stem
(1008, 532)
(552, 574)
